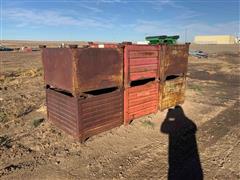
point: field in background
(35, 44)
(209, 48)
(31, 148)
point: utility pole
(185, 35)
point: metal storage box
(77, 70)
(171, 92)
(140, 100)
(174, 60)
(140, 62)
(85, 116)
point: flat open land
(32, 148)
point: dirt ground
(206, 144)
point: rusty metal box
(172, 92)
(174, 60)
(77, 70)
(85, 116)
(140, 100)
(140, 62)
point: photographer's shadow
(183, 157)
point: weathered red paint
(77, 70)
(85, 117)
(173, 60)
(140, 100)
(140, 62)
(172, 92)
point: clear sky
(116, 20)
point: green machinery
(162, 39)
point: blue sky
(116, 20)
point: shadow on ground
(183, 158)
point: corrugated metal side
(140, 100)
(101, 113)
(172, 92)
(83, 118)
(62, 110)
(174, 60)
(141, 62)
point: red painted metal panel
(140, 100)
(142, 68)
(142, 75)
(174, 60)
(85, 117)
(140, 62)
(143, 61)
(77, 70)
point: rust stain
(77, 70)
(75, 87)
(174, 60)
(55, 61)
(100, 65)
(172, 92)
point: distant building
(215, 39)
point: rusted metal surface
(62, 110)
(85, 117)
(174, 60)
(140, 100)
(172, 92)
(83, 69)
(140, 62)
